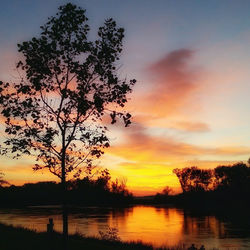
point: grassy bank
(12, 238)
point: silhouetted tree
(167, 191)
(194, 179)
(69, 84)
(233, 178)
(164, 195)
(248, 161)
(119, 186)
(2, 181)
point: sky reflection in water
(157, 225)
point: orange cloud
(170, 93)
(181, 125)
(141, 146)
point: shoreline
(13, 238)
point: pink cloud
(174, 84)
(140, 146)
(174, 81)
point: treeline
(86, 191)
(233, 178)
(222, 185)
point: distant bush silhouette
(2, 180)
(164, 195)
(96, 190)
(99, 190)
(167, 191)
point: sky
(190, 105)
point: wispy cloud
(190, 126)
(173, 82)
(141, 146)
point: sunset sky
(191, 103)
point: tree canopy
(68, 84)
(232, 178)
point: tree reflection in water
(157, 225)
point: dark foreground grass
(17, 238)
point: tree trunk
(64, 204)
(65, 214)
(65, 225)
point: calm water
(157, 225)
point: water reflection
(157, 225)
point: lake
(165, 226)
